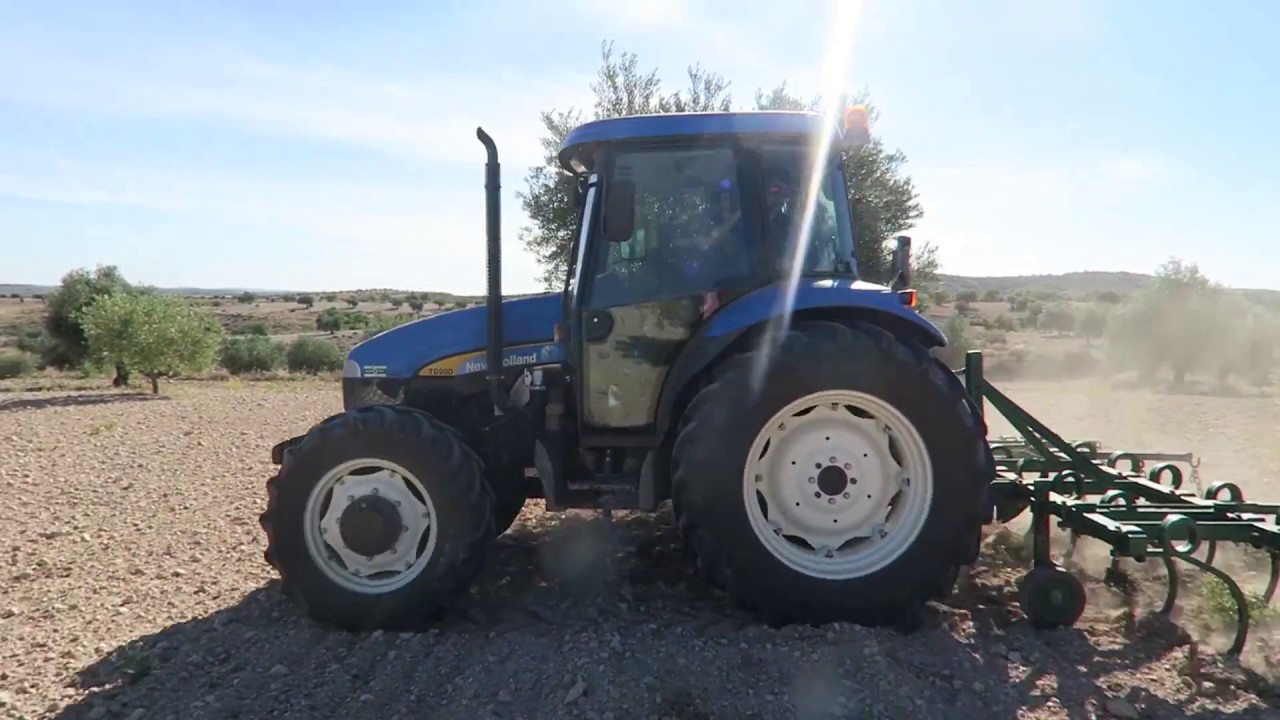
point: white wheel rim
(795, 468)
(388, 570)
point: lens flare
(836, 59)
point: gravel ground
(132, 586)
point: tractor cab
(683, 217)
(703, 205)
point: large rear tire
(849, 488)
(378, 518)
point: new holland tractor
(713, 345)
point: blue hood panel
(402, 351)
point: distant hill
(1073, 283)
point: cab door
(671, 245)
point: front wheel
(378, 518)
(843, 489)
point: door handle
(597, 325)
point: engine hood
(402, 351)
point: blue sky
(331, 145)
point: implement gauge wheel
(1051, 597)
(378, 518)
(849, 488)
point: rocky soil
(132, 586)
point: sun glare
(832, 84)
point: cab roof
(576, 150)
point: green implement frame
(1107, 496)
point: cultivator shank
(1139, 512)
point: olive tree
(153, 335)
(883, 200)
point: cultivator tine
(1272, 580)
(1112, 496)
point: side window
(688, 234)
(827, 246)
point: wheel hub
(370, 525)
(832, 480)
(837, 484)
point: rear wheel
(378, 518)
(847, 488)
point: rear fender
(741, 325)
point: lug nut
(813, 480)
(831, 501)
(848, 466)
(817, 494)
(833, 460)
(846, 496)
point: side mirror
(619, 209)
(902, 263)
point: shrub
(382, 322)
(1006, 323)
(252, 354)
(312, 355)
(14, 364)
(36, 341)
(959, 342)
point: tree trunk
(155, 384)
(122, 376)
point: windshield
(785, 178)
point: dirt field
(132, 585)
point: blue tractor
(713, 345)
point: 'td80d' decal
(474, 362)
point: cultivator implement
(1141, 512)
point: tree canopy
(884, 201)
(1191, 324)
(69, 345)
(151, 334)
